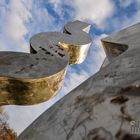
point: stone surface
(106, 106)
(75, 40)
(27, 79)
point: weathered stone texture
(106, 106)
(32, 78)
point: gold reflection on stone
(77, 53)
(27, 79)
(29, 92)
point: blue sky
(21, 19)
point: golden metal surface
(27, 79)
(77, 53)
(75, 40)
(29, 91)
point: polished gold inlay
(27, 79)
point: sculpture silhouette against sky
(106, 106)
(27, 79)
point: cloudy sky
(21, 19)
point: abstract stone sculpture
(106, 106)
(27, 79)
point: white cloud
(130, 21)
(126, 3)
(93, 10)
(20, 18)
(16, 15)
(95, 56)
(73, 79)
(57, 6)
(41, 20)
(125, 20)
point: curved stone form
(106, 106)
(75, 40)
(27, 79)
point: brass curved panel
(27, 79)
(75, 40)
(29, 91)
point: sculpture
(27, 79)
